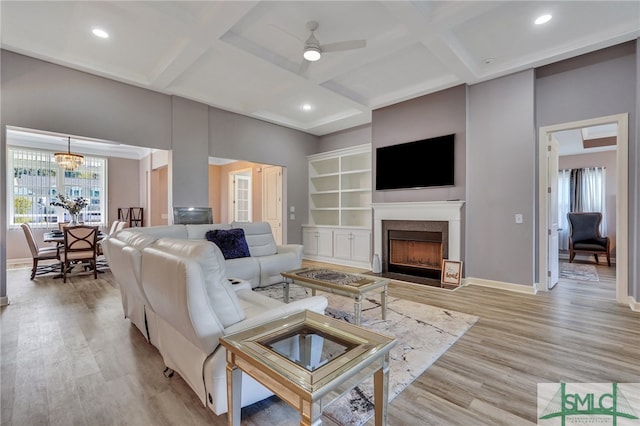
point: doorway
(547, 233)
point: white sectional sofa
(262, 268)
(176, 290)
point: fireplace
(412, 239)
(415, 253)
(414, 248)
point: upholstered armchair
(584, 235)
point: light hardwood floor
(69, 357)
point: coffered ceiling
(246, 56)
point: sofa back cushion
(168, 231)
(198, 232)
(259, 237)
(222, 297)
(135, 239)
(231, 242)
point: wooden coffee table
(354, 286)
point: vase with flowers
(73, 205)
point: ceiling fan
(313, 50)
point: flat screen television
(192, 215)
(419, 164)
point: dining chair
(37, 253)
(80, 244)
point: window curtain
(580, 190)
(564, 207)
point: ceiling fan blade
(343, 45)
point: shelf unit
(339, 228)
(340, 187)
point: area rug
(423, 334)
(578, 272)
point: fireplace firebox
(415, 253)
(414, 249)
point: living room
(495, 122)
(510, 98)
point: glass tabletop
(309, 349)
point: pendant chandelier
(67, 160)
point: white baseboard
(501, 285)
(11, 262)
(633, 304)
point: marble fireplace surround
(447, 211)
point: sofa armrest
(315, 304)
(290, 248)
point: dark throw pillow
(231, 242)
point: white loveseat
(189, 303)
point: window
(35, 179)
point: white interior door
(552, 202)
(272, 200)
(240, 191)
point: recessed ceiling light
(100, 33)
(306, 107)
(543, 19)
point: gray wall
(437, 114)
(243, 138)
(634, 198)
(595, 85)
(45, 96)
(346, 138)
(189, 154)
(501, 180)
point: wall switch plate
(292, 216)
(292, 209)
(519, 218)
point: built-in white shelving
(340, 198)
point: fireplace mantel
(450, 211)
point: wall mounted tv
(420, 164)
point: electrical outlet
(519, 218)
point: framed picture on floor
(451, 272)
